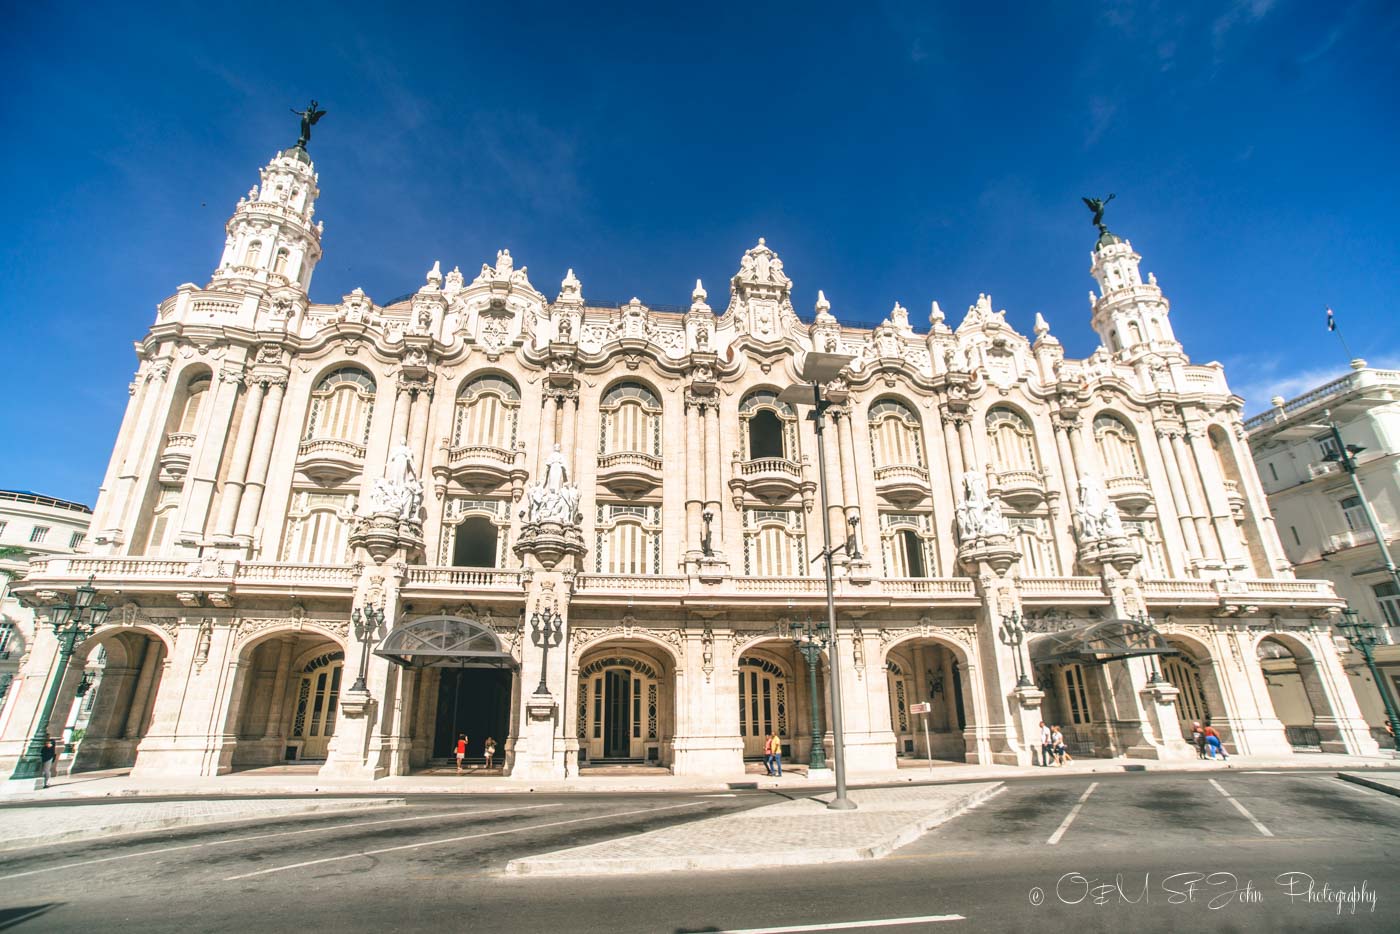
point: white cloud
(1258, 379)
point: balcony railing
(477, 578)
(1060, 586)
(933, 586)
(771, 465)
(179, 439)
(317, 446)
(902, 484)
(296, 573)
(629, 473)
(1132, 492)
(1021, 487)
(1354, 380)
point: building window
(1389, 600)
(2, 526)
(76, 539)
(488, 414)
(1354, 513)
(767, 426)
(894, 435)
(166, 505)
(1077, 696)
(189, 418)
(1147, 538)
(318, 528)
(39, 534)
(630, 421)
(907, 541)
(1296, 539)
(341, 407)
(470, 527)
(7, 632)
(628, 539)
(1117, 445)
(1272, 472)
(1328, 446)
(1012, 441)
(774, 543)
(1036, 544)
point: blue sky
(888, 151)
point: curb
(881, 846)
(171, 823)
(1370, 783)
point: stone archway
(115, 700)
(1299, 699)
(1200, 699)
(624, 702)
(286, 697)
(934, 671)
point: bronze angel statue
(1097, 205)
(309, 116)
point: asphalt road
(1233, 850)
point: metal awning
(444, 642)
(1100, 642)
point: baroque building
(591, 529)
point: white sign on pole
(920, 708)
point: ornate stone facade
(615, 541)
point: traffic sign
(920, 708)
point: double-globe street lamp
(546, 631)
(1362, 636)
(811, 641)
(818, 369)
(367, 625)
(1013, 633)
(71, 621)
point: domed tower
(271, 237)
(1130, 316)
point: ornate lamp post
(818, 369)
(367, 625)
(1155, 675)
(71, 621)
(853, 540)
(810, 641)
(1013, 633)
(707, 547)
(1362, 636)
(546, 631)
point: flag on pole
(1331, 321)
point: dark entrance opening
(957, 696)
(765, 435)
(913, 553)
(474, 701)
(617, 726)
(474, 545)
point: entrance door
(1190, 699)
(762, 703)
(617, 722)
(318, 699)
(474, 701)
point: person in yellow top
(773, 755)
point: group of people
(1207, 741)
(1052, 746)
(489, 749)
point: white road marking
(847, 925)
(470, 836)
(264, 836)
(730, 795)
(1241, 808)
(1073, 813)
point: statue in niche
(553, 499)
(399, 492)
(566, 331)
(309, 118)
(978, 513)
(556, 469)
(504, 264)
(702, 338)
(1098, 517)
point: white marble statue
(399, 492)
(556, 469)
(552, 499)
(1098, 517)
(979, 515)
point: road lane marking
(264, 836)
(847, 925)
(459, 839)
(1073, 813)
(1241, 808)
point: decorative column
(211, 434)
(1179, 502)
(1210, 546)
(1221, 517)
(140, 698)
(262, 457)
(272, 729)
(694, 478)
(238, 463)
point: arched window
(630, 422)
(1011, 441)
(254, 254)
(628, 539)
(907, 539)
(341, 406)
(1117, 444)
(162, 519)
(768, 426)
(194, 398)
(488, 414)
(318, 528)
(774, 543)
(474, 545)
(1147, 539)
(895, 436)
(1036, 545)
(279, 265)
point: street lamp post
(366, 630)
(82, 617)
(1345, 454)
(810, 641)
(819, 368)
(1013, 633)
(1362, 636)
(707, 547)
(1154, 676)
(546, 631)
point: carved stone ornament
(979, 513)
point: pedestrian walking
(47, 756)
(1047, 749)
(461, 752)
(773, 755)
(1198, 739)
(490, 751)
(1057, 742)
(1213, 742)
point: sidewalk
(1386, 782)
(23, 827)
(798, 832)
(302, 780)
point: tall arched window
(630, 421)
(628, 539)
(318, 528)
(194, 398)
(341, 406)
(896, 439)
(254, 254)
(1011, 441)
(767, 426)
(488, 414)
(1036, 545)
(774, 543)
(1117, 444)
(908, 544)
(279, 265)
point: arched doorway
(463, 683)
(114, 701)
(287, 698)
(776, 694)
(1295, 692)
(928, 671)
(625, 704)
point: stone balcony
(175, 458)
(329, 461)
(483, 468)
(1130, 493)
(772, 480)
(1021, 489)
(902, 484)
(629, 474)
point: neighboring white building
(31, 526)
(1320, 518)
(475, 456)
